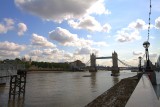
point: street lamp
(140, 67)
(146, 45)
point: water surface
(62, 89)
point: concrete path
(143, 95)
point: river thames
(62, 89)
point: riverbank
(51, 71)
(116, 96)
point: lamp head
(146, 44)
(140, 58)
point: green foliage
(27, 65)
(50, 65)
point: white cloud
(138, 24)
(157, 23)
(21, 28)
(132, 32)
(86, 51)
(89, 23)
(41, 41)
(10, 46)
(50, 55)
(62, 35)
(7, 25)
(100, 44)
(151, 37)
(137, 53)
(10, 49)
(106, 28)
(2, 29)
(9, 22)
(89, 36)
(98, 8)
(59, 10)
(68, 55)
(48, 51)
(35, 52)
(8, 54)
(66, 38)
(127, 36)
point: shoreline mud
(116, 96)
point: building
(77, 65)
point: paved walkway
(144, 95)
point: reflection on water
(64, 89)
(115, 79)
(93, 81)
(16, 103)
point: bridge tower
(115, 69)
(93, 63)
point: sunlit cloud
(138, 53)
(132, 32)
(66, 38)
(35, 52)
(63, 36)
(157, 23)
(89, 23)
(127, 36)
(106, 28)
(10, 46)
(7, 25)
(21, 29)
(50, 55)
(100, 44)
(10, 49)
(86, 51)
(138, 24)
(41, 41)
(59, 10)
(8, 54)
(98, 8)
(89, 36)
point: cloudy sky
(67, 30)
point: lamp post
(146, 45)
(140, 67)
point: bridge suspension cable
(87, 63)
(125, 63)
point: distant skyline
(68, 30)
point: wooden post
(17, 82)
(12, 90)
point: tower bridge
(114, 57)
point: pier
(17, 75)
